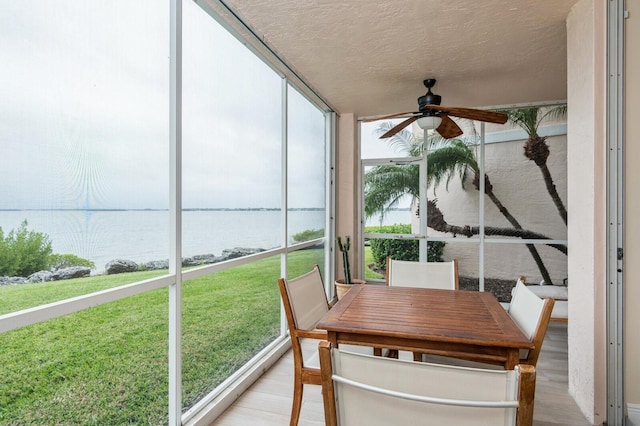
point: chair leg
(298, 388)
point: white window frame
(212, 405)
(481, 240)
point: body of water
(143, 235)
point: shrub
(404, 249)
(309, 234)
(435, 250)
(23, 252)
(59, 261)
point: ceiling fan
(431, 115)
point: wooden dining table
(454, 323)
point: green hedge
(401, 249)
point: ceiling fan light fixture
(429, 122)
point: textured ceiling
(369, 57)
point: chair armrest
(312, 334)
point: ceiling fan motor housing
(429, 98)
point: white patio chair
(365, 390)
(439, 275)
(305, 302)
(560, 294)
(532, 314)
(402, 273)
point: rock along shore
(119, 266)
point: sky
(84, 112)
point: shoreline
(120, 266)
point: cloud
(84, 109)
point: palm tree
(457, 155)
(385, 185)
(536, 148)
(435, 220)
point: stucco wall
(632, 211)
(586, 149)
(518, 183)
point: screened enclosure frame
(243, 377)
(482, 241)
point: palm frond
(386, 185)
(526, 118)
(403, 141)
(554, 113)
(444, 162)
(435, 141)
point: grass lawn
(108, 365)
(368, 259)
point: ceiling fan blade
(448, 128)
(399, 127)
(472, 114)
(385, 117)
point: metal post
(175, 214)
(615, 139)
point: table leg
(513, 357)
(333, 338)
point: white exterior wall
(519, 185)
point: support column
(587, 224)
(347, 190)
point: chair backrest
(532, 314)
(305, 302)
(361, 389)
(304, 299)
(402, 273)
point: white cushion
(560, 310)
(553, 291)
(559, 293)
